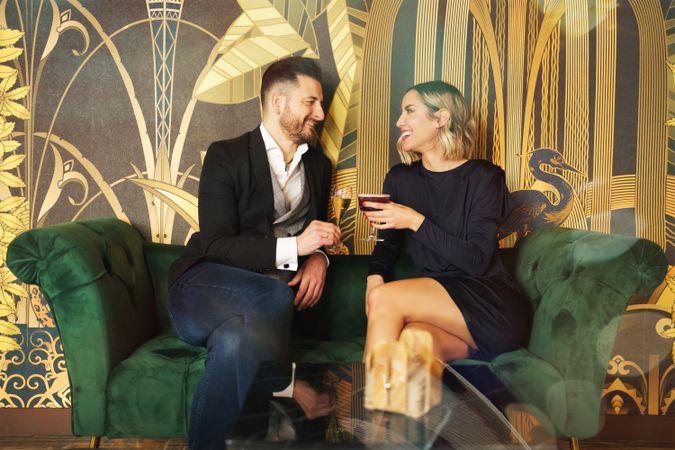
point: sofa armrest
(580, 283)
(93, 275)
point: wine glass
(376, 198)
(340, 198)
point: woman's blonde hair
(457, 134)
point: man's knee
(277, 297)
(230, 337)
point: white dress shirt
(289, 178)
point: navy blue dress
(457, 246)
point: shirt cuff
(324, 255)
(287, 253)
(288, 392)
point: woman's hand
(372, 282)
(393, 215)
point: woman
(447, 208)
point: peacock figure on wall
(531, 209)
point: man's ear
(278, 101)
(442, 117)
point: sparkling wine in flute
(340, 205)
(375, 198)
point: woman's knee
(380, 301)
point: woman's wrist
(416, 221)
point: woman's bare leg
(447, 347)
(393, 305)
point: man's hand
(371, 282)
(393, 215)
(313, 403)
(316, 235)
(311, 276)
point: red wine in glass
(375, 198)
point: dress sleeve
(387, 251)
(486, 212)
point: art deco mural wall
(106, 108)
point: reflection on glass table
(463, 419)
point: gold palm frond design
(13, 208)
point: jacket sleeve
(220, 235)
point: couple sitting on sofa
(263, 200)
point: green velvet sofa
(130, 376)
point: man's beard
(294, 129)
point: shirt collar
(271, 144)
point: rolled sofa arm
(94, 276)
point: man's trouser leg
(243, 318)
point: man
(262, 199)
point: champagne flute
(375, 198)
(340, 198)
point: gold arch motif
(425, 42)
(373, 141)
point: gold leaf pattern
(9, 37)
(345, 25)
(264, 33)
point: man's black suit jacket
(236, 204)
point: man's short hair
(287, 70)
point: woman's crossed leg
(417, 303)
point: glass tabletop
(463, 419)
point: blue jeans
(244, 319)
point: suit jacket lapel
(261, 172)
(312, 174)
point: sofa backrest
(339, 316)
(159, 257)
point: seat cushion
(147, 392)
(150, 393)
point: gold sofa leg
(574, 443)
(94, 441)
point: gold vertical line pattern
(425, 43)
(554, 85)
(552, 15)
(651, 163)
(575, 146)
(372, 150)
(480, 11)
(532, 31)
(500, 32)
(478, 82)
(603, 139)
(515, 70)
(484, 96)
(544, 95)
(549, 87)
(454, 42)
(475, 83)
